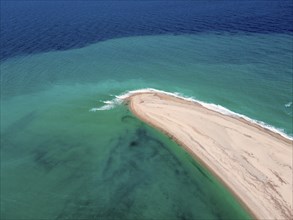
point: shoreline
(198, 159)
(109, 104)
(137, 100)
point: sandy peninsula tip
(253, 162)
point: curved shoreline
(144, 105)
(109, 104)
(200, 161)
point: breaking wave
(108, 105)
(120, 99)
(288, 104)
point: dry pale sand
(253, 162)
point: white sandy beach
(253, 162)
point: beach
(252, 161)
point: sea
(70, 148)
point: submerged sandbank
(254, 162)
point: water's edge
(120, 99)
(199, 161)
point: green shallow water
(61, 161)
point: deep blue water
(37, 26)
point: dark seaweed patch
(123, 170)
(133, 144)
(52, 153)
(108, 165)
(127, 118)
(141, 133)
(79, 209)
(22, 123)
(42, 158)
(18, 126)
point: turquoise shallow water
(59, 160)
(249, 74)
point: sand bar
(253, 162)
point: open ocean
(62, 59)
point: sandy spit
(253, 162)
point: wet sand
(253, 162)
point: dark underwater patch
(133, 144)
(43, 159)
(8, 136)
(20, 124)
(128, 119)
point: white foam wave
(218, 108)
(110, 104)
(288, 104)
